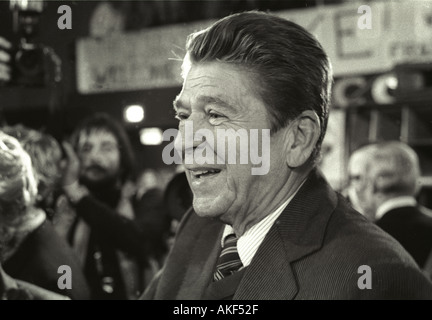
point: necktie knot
(229, 259)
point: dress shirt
(249, 242)
(398, 202)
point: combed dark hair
(292, 71)
(102, 121)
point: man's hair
(45, 153)
(104, 122)
(394, 168)
(290, 68)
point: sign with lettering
(359, 39)
(400, 32)
(132, 61)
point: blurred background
(123, 58)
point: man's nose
(95, 157)
(194, 130)
(192, 133)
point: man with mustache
(99, 183)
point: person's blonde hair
(18, 190)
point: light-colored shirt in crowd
(398, 202)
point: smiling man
(285, 234)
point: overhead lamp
(133, 113)
(151, 136)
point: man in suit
(392, 174)
(281, 234)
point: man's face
(99, 156)
(360, 186)
(217, 96)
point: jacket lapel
(299, 231)
(201, 259)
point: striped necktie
(229, 259)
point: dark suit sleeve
(150, 291)
(137, 239)
(37, 293)
(397, 281)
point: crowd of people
(78, 206)
(215, 231)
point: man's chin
(98, 182)
(209, 207)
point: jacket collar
(395, 203)
(299, 231)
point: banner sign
(359, 39)
(132, 61)
(397, 32)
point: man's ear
(302, 136)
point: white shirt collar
(399, 202)
(249, 242)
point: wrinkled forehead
(96, 136)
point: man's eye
(108, 149)
(214, 115)
(354, 178)
(181, 116)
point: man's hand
(4, 60)
(71, 167)
(71, 187)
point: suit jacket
(314, 250)
(412, 229)
(38, 258)
(12, 289)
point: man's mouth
(96, 169)
(202, 173)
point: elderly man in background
(389, 191)
(284, 234)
